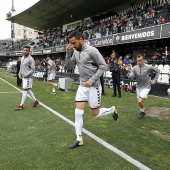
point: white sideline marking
(96, 138)
(10, 92)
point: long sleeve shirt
(143, 75)
(90, 63)
(27, 66)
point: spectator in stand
(103, 30)
(129, 67)
(120, 61)
(164, 54)
(155, 58)
(135, 22)
(126, 60)
(112, 56)
(106, 58)
(115, 28)
(124, 72)
(144, 53)
(134, 61)
(36, 63)
(152, 13)
(162, 20)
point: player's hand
(20, 76)
(69, 48)
(153, 82)
(88, 83)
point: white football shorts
(51, 76)
(27, 83)
(92, 95)
(142, 93)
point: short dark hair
(49, 55)
(76, 34)
(140, 55)
(27, 46)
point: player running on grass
(142, 73)
(51, 73)
(91, 67)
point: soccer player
(91, 67)
(27, 67)
(51, 73)
(142, 73)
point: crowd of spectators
(136, 17)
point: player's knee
(95, 112)
(140, 101)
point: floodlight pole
(12, 30)
(12, 23)
(13, 10)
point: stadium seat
(160, 67)
(166, 67)
(108, 74)
(159, 78)
(164, 78)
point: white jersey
(53, 69)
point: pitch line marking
(9, 92)
(93, 136)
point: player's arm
(131, 74)
(100, 62)
(157, 71)
(70, 58)
(50, 67)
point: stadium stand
(104, 30)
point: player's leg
(142, 94)
(94, 102)
(81, 102)
(25, 85)
(50, 79)
(35, 101)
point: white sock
(105, 112)
(24, 95)
(142, 109)
(31, 95)
(55, 84)
(53, 89)
(79, 123)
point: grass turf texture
(36, 139)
